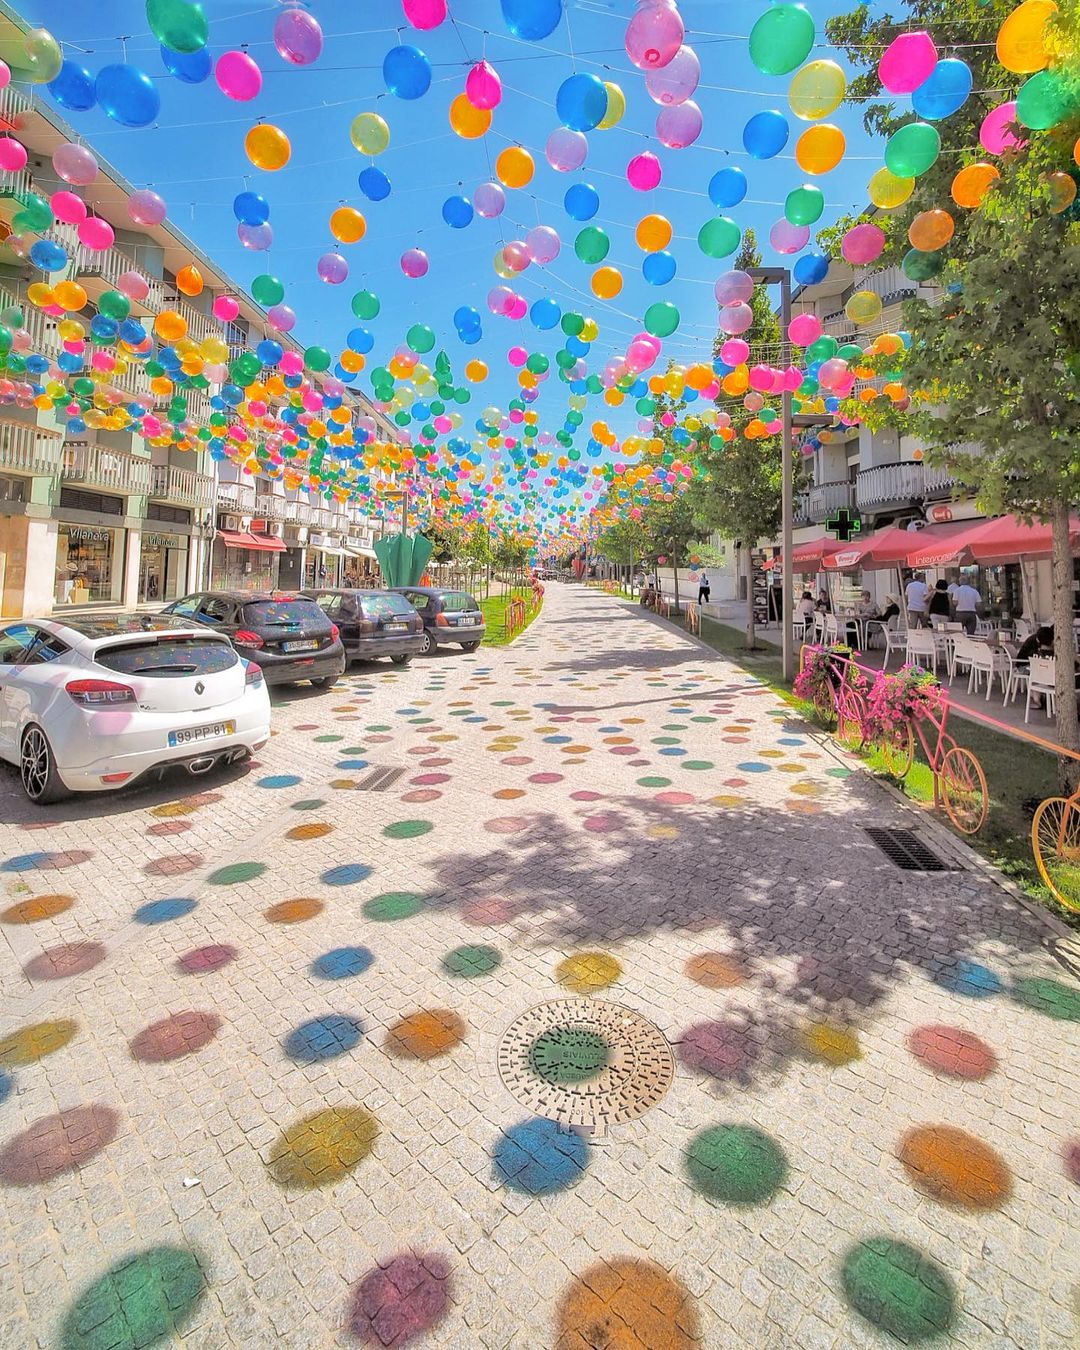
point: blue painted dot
(161, 911)
(538, 1157)
(407, 712)
(970, 979)
(610, 731)
(7, 1085)
(673, 750)
(346, 875)
(556, 740)
(351, 764)
(342, 962)
(792, 740)
(323, 1038)
(279, 780)
(752, 766)
(25, 862)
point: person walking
(703, 589)
(940, 602)
(917, 598)
(968, 601)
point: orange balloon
(931, 230)
(514, 167)
(470, 123)
(1076, 152)
(189, 280)
(820, 148)
(348, 225)
(170, 325)
(1062, 193)
(653, 233)
(267, 147)
(69, 295)
(607, 282)
(971, 185)
(351, 361)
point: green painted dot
(899, 1289)
(393, 905)
(566, 1055)
(467, 962)
(673, 726)
(354, 749)
(462, 712)
(697, 764)
(736, 1164)
(654, 782)
(241, 871)
(665, 740)
(141, 1301)
(703, 718)
(1049, 997)
(309, 804)
(408, 829)
(321, 740)
(378, 727)
(503, 703)
(839, 772)
(421, 721)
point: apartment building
(104, 518)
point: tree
(623, 543)
(447, 540)
(738, 492)
(994, 357)
(670, 529)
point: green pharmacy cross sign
(844, 525)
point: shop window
(89, 564)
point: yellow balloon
(590, 331)
(816, 90)
(653, 233)
(616, 107)
(214, 349)
(1021, 45)
(863, 307)
(39, 294)
(71, 330)
(887, 191)
(514, 167)
(607, 282)
(369, 133)
(347, 225)
(267, 147)
(820, 148)
(470, 123)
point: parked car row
(91, 702)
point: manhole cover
(585, 1063)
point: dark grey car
(373, 623)
(450, 617)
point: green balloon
(572, 323)
(317, 358)
(564, 359)
(574, 418)
(918, 266)
(537, 363)
(245, 368)
(267, 290)
(718, 238)
(781, 39)
(1044, 101)
(177, 24)
(824, 349)
(804, 205)
(645, 406)
(420, 338)
(365, 304)
(592, 244)
(114, 305)
(850, 351)
(35, 216)
(662, 319)
(5, 339)
(462, 395)
(593, 385)
(912, 150)
(13, 316)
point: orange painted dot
(314, 830)
(293, 911)
(627, 1304)
(40, 907)
(509, 794)
(717, 970)
(801, 808)
(955, 1167)
(425, 1034)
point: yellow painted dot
(588, 971)
(834, 1044)
(663, 832)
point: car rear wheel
(37, 769)
(427, 644)
(400, 660)
(325, 682)
(469, 646)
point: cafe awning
(809, 555)
(257, 543)
(1002, 539)
(890, 547)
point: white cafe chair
(1041, 680)
(986, 661)
(921, 650)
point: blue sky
(194, 157)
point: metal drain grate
(380, 779)
(907, 850)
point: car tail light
(99, 693)
(335, 632)
(442, 621)
(253, 674)
(115, 777)
(367, 628)
(248, 639)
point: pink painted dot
(173, 865)
(638, 763)
(674, 798)
(164, 828)
(379, 740)
(306, 726)
(562, 719)
(436, 763)
(952, 1051)
(202, 960)
(625, 750)
(604, 823)
(1072, 1160)
(516, 760)
(429, 779)
(585, 796)
(722, 1049)
(587, 721)
(506, 824)
(422, 795)
(736, 782)
(545, 778)
(489, 911)
(419, 750)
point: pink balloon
(256, 237)
(644, 172)
(735, 319)
(517, 308)
(69, 208)
(677, 81)
(498, 300)
(146, 207)
(543, 244)
(424, 13)
(134, 285)
(96, 234)
(654, 35)
(517, 356)
(12, 154)
(226, 309)
(788, 238)
(414, 261)
(5, 74)
(238, 76)
(994, 135)
(297, 36)
(566, 150)
(291, 363)
(734, 352)
(75, 164)
(804, 329)
(489, 200)
(483, 88)
(281, 318)
(733, 288)
(761, 378)
(516, 255)
(863, 244)
(907, 62)
(333, 269)
(679, 125)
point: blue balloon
(269, 352)
(103, 327)
(407, 72)
(232, 395)
(581, 102)
(658, 268)
(360, 340)
(187, 67)
(727, 187)
(467, 318)
(73, 88)
(766, 134)
(69, 363)
(49, 256)
(532, 19)
(944, 92)
(582, 201)
(132, 332)
(374, 184)
(76, 426)
(576, 347)
(457, 212)
(545, 313)
(811, 268)
(128, 95)
(251, 209)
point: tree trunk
(751, 631)
(1068, 729)
(675, 571)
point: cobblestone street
(280, 1051)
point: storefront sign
(162, 541)
(82, 535)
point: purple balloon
(298, 37)
(146, 207)
(733, 288)
(566, 150)
(499, 298)
(414, 262)
(281, 318)
(679, 125)
(788, 238)
(332, 268)
(489, 200)
(256, 237)
(675, 82)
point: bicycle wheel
(1055, 841)
(851, 720)
(823, 703)
(963, 790)
(898, 750)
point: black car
(449, 616)
(288, 635)
(373, 623)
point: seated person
(1040, 643)
(805, 609)
(866, 609)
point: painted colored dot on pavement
(294, 911)
(61, 963)
(236, 872)
(539, 1157)
(899, 1289)
(309, 804)
(470, 961)
(1052, 998)
(408, 829)
(737, 1164)
(626, 1302)
(163, 911)
(831, 1043)
(323, 1038)
(56, 1144)
(322, 1148)
(393, 905)
(425, 1034)
(586, 972)
(717, 970)
(145, 1299)
(204, 960)
(401, 1300)
(952, 1051)
(342, 962)
(39, 908)
(173, 1037)
(346, 874)
(970, 979)
(955, 1167)
(279, 780)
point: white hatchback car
(93, 701)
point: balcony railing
(181, 487)
(14, 186)
(801, 509)
(891, 485)
(321, 518)
(236, 497)
(25, 448)
(270, 506)
(97, 466)
(823, 499)
(110, 265)
(200, 326)
(298, 513)
(14, 108)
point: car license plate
(396, 627)
(190, 735)
(307, 645)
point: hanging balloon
(811, 268)
(225, 308)
(644, 173)
(887, 192)
(820, 148)
(545, 314)
(566, 150)
(146, 207)
(616, 107)
(653, 233)
(788, 238)
(679, 125)
(468, 122)
(931, 230)
(781, 39)
(414, 262)
(347, 225)
(531, 20)
(420, 338)
(659, 268)
(489, 200)
(734, 288)
(727, 187)
(267, 147)
(369, 133)
(250, 208)
(543, 244)
(297, 36)
(863, 244)
(972, 183)
(863, 307)
(994, 134)
(13, 155)
(581, 102)
(1062, 191)
(944, 92)
(178, 24)
(374, 184)
(190, 67)
(676, 82)
(912, 149)
(424, 14)
(238, 76)
(735, 319)
(907, 62)
(662, 319)
(127, 95)
(67, 207)
(406, 72)
(75, 164)
(765, 134)
(281, 318)
(514, 167)
(458, 212)
(49, 256)
(918, 266)
(189, 280)
(267, 290)
(816, 90)
(592, 244)
(719, 238)
(804, 205)
(653, 36)
(1021, 39)
(1045, 100)
(74, 88)
(365, 305)
(607, 282)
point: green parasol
(403, 558)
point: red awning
(267, 543)
(890, 547)
(259, 543)
(807, 556)
(1003, 539)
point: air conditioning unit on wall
(231, 523)
(276, 529)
